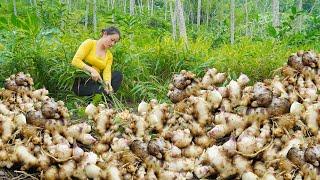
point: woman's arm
(82, 52)
(107, 73)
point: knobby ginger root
(51, 173)
(66, 169)
(296, 156)
(157, 147)
(230, 146)
(44, 161)
(192, 151)
(182, 80)
(278, 88)
(242, 164)
(297, 108)
(311, 116)
(93, 171)
(196, 129)
(201, 109)
(265, 135)
(140, 126)
(312, 155)
(181, 138)
(243, 80)
(91, 110)
(227, 122)
(222, 163)
(86, 139)
(234, 92)
(247, 96)
(262, 95)
(226, 105)
(249, 176)
(213, 97)
(157, 115)
(246, 142)
(179, 164)
(295, 142)
(203, 141)
(104, 120)
(113, 173)
(143, 108)
(203, 171)
(119, 144)
(4, 109)
(7, 127)
(26, 157)
(207, 79)
(20, 120)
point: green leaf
(294, 10)
(97, 98)
(121, 129)
(117, 120)
(81, 112)
(291, 17)
(3, 20)
(272, 31)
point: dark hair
(111, 30)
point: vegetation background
(159, 38)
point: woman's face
(109, 40)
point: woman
(94, 57)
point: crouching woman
(95, 57)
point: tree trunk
(314, 5)
(151, 7)
(173, 21)
(94, 16)
(232, 21)
(35, 4)
(165, 9)
(140, 6)
(15, 8)
(181, 20)
(199, 14)
(191, 13)
(300, 17)
(62, 21)
(132, 3)
(207, 13)
(86, 20)
(125, 6)
(112, 8)
(69, 5)
(148, 5)
(247, 17)
(275, 13)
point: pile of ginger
(215, 128)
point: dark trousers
(88, 87)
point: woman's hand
(95, 75)
(108, 88)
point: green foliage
(97, 98)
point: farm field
(210, 89)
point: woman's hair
(111, 30)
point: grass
(148, 69)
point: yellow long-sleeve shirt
(86, 54)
